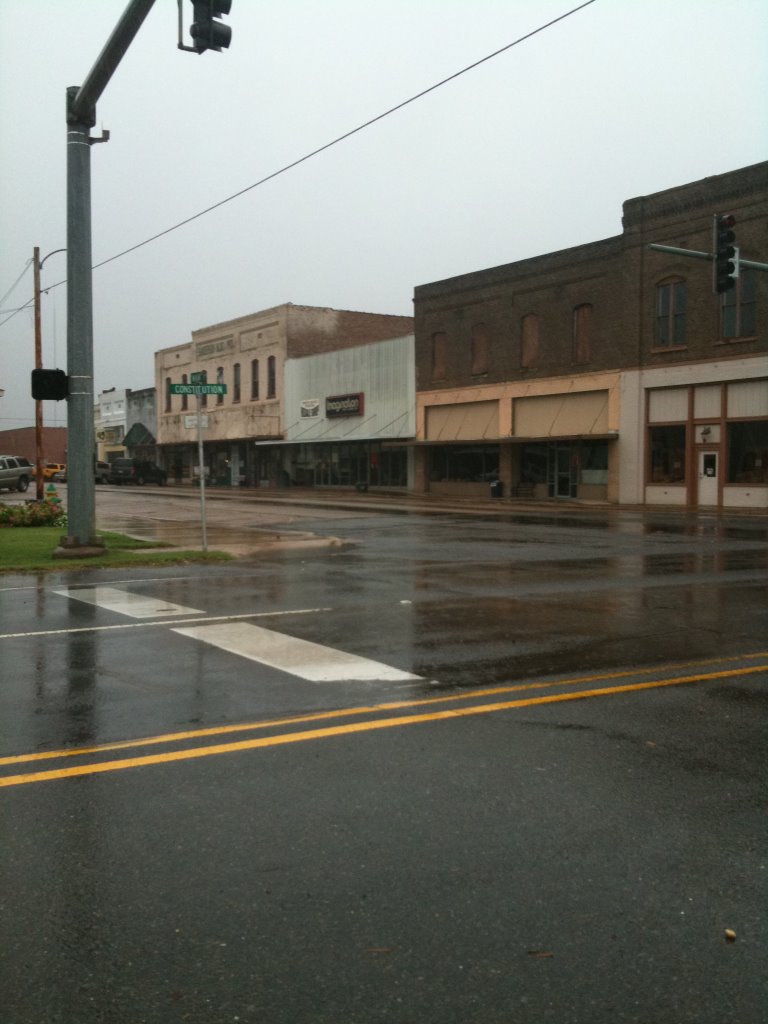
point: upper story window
(529, 342)
(167, 394)
(271, 377)
(254, 379)
(670, 314)
(581, 351)
(184, 398)
(220, 380)
(236, 386)
(439, 352)
(480, 348)
(738, 311)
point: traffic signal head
(726, 253)
(49, 385)
(206, 32)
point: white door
(707, 478)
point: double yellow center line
(437, 712)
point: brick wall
(313, 329)
(617, 277)
(22, 442)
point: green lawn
(27, 549)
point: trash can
(497, 489)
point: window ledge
(736, 341)
(668, 348)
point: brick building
(248, 355)
(606, 371)
(22, 441)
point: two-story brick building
(246, 425)
(606, 371)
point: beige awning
(582, 414)
(469, 421)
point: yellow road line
(356, 727)
(223, 730)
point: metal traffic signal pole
(81, 536)
(209, 34)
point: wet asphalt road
(543, 825)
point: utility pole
(81, 539)
(37, 264)
(39, 487)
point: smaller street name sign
(197, 389)
(198, 378)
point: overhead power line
(15, 283)
(329, 145)
(346, 135)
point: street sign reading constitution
(197, 389)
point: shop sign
(310, 407)
(345, 405)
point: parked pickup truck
(135, 471)
(15, 473)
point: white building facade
(350, 414)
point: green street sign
(198, 378)
(197, 389)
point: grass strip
(30, 549)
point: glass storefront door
(563, 462)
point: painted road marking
(360, 727)
(165, 623)
(123, 601)
(310, 661)
(371, 709)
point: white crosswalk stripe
(126, 603)
(310, 661)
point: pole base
(70, 547)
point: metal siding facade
(383, 371)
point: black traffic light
(49, 385)
(206, 32)
(726, 253)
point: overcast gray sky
(533, 151)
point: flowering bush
(33, 513)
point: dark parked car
(135, 471)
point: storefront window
(346, 465)
(667, 454)
(467, 463)
(748, 452)
(533, 463)
(593, 461)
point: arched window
(254, 379)
(184, 398)
(479, 349)
(271, 377)
(670, 313)
(581, 351)
(529, 343)
(738, 311)
(167, 394)
(439, 352)
(220, 380)
(236, 382)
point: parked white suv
(15, 473)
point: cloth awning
(138, 435)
